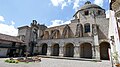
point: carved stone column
(76, 51)
(95, 48)
(93, 52)
(61, 53)
(96, 52)
(48, 50)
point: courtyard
(49, 62)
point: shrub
(10, 61)
(16, 61)
(6, 60)
(13, 61)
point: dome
(89, 5)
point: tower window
(86, 12)
(87, 27)
(99, 12)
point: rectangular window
(87, 28)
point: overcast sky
(16, 13)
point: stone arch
(46, 35)
(43, 50)
(68, 50)
(67, 32)
(79, 30)
(55, 34)
(86, 50)
(55, 49)
(104, 54)
(58, 35)
(87, 27)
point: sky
(17, 13)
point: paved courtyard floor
(48, 62)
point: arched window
(67, 32)
(46, 35)
(86, 12)
(87, 27)
(79, 30)
(99, 12)
(55, 34)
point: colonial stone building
(10, 46)
(85, 37)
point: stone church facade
(85, 37)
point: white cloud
(12, 22)
(76, 5)
(58, 22)
(55, 2)
(99, 2)
(107, 13)
(61, 3)
(2, 18)
(69, 1)
(109, 1)
(7, 29)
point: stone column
(49, 51)
(76, 52)
(93, 52)
(97, 52)
(61, 53)
(40, 49)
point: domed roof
(89, 5)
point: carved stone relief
(79, 30)
(94, 27)
(66, 32)
(55, 34)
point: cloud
(69, 1)
(58, 22)
(76, 4)
(55, 2)
(8, 29)
(107, 13)
(109, 1)
(12, 22)
(61, 3)
(2, 18)
(99, 2)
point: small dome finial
(88, 2)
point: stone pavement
(48, 62)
